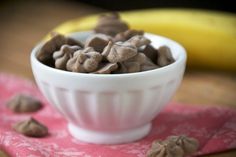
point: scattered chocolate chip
(157, 150)
(31, 128)
(98, 42)
(126, 35)
(21, 103)
(173, 146)
(164, 56)
(189, 145)
(174, 150)
(110, 24)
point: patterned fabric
(214, 127)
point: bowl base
(117, 137)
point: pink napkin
(214, 127)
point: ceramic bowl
(111, 108)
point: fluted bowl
(110, 108)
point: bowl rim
(181, 58)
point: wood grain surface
(22, 25)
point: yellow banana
(209, 37)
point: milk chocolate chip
(98, 42)
(106, 68)
(110, 24)
(144, 62)
(150, 52)
(189, 145)
(158, 149)
(118, 52)
(31, 128)
(131, 67)
(173, 146)
(139, 40)
(123, 36)
(24, 103)
(174, 150)
(85, 60)
(164, 56)
(63, 55)
(165, 149)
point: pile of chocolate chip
(112, 49)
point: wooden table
(24, 24)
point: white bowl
(111, 108)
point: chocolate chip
(132, 67)
(31, 128)
(106, 68)
(24, 103)
(144, 62)
(174, 150)
(150, 52)
(118, 52)
(126, 35)
(98, 42)
(110, 24)
(63, 55)
(85, 60)
(164, 56)
(189, 145)
(173, 146)
(139, 41)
